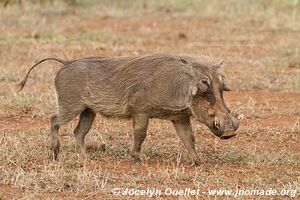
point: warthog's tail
(20, 85)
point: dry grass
(259, 42)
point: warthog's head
(208, 104)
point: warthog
(160, 86)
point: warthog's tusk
(216, 124)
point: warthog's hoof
(53, 153)
(103, 147)
(136, 158)
(196, 163)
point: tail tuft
(20, 85)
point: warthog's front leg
(140, 125)
(184, 131)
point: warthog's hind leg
(55, 144)
(140, 125)
(63, 117)
(84, 125)
(184, 131)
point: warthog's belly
(124, 111)
(168, 114)
(111, 110)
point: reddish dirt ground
(264, 120)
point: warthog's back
(120, 86)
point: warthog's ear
(218, 64)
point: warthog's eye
(205, 81)
(204, 85)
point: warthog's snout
(225, 127)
